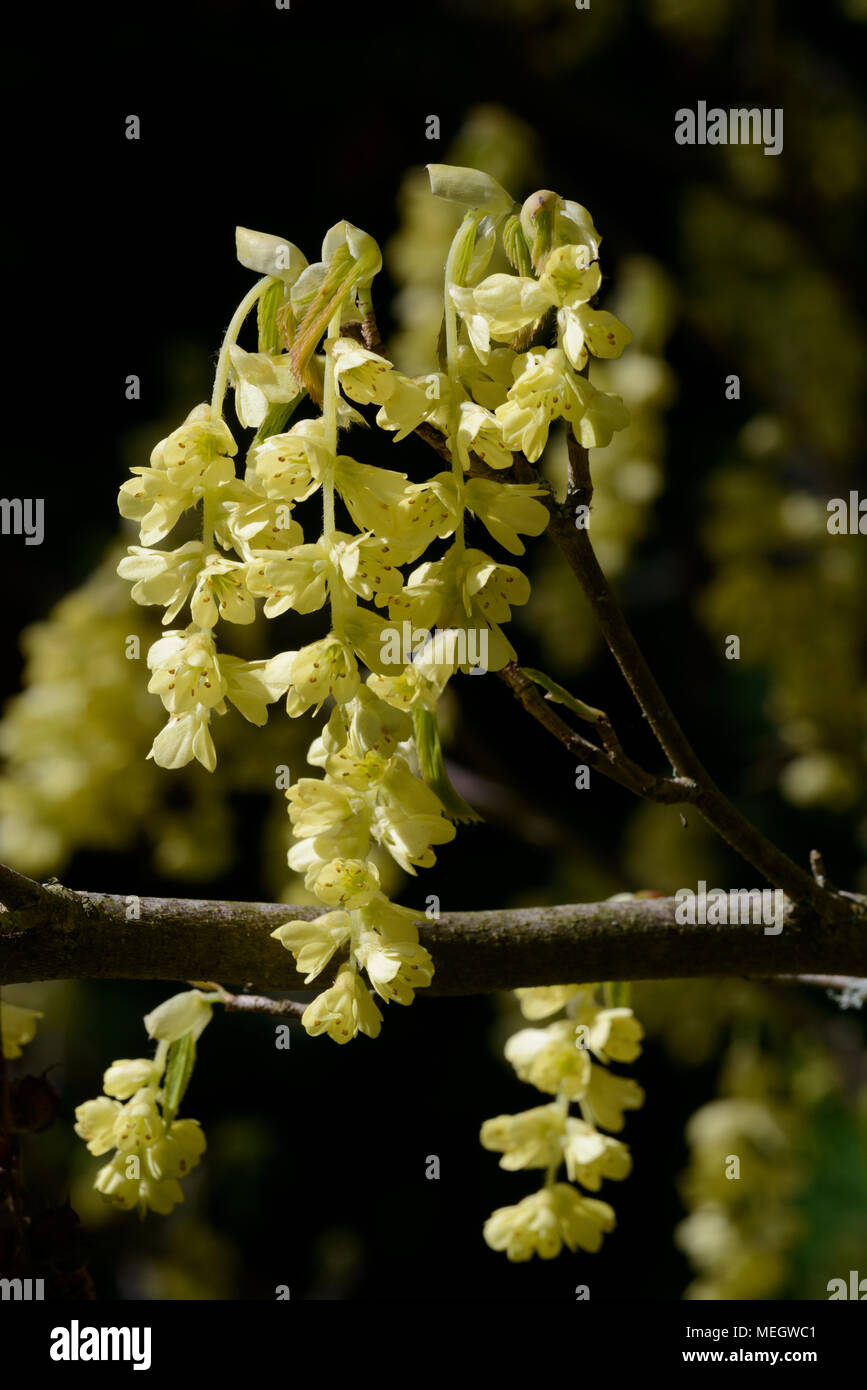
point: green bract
(469, 187)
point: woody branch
(52, 932)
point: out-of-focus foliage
(76, 742)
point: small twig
(720, 813)
(817, 865)
(261, 1004)
(19, 893)
(250, 1003)
(610, 759)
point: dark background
(120, 250)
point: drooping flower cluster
(567, 1059)
(747, 1165)
(136, 1115)
(380, 789)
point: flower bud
(269, 255)
(469, 187)
(183, 1013)
(537, 224)
(364, 251)
(123, 1079)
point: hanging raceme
(400, 618)
(557, 1059)
(136, 1115)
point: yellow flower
(545, 389)
(122, 1079)
(139, 1123)
(186, 671)
(368, 565)
(499, 307)
(532, 1139)
(365, 376)
(290, 465)
(374, 725)
(551, 1061)
(371, 494)
(156, 502)
(615, 1034)
(480, 432)
(344, 1010)
(191, 680)
(608, 1096)
(506, 509)
(412, 401)
(314, 943)
(395, 969)
(358, 772)
(221, 592)
(363, 631)
(193, 461)
(543, 1000)
(394, 923)
(249, 521)
(546, 1221)
(177, 1151)
(346, 883)
(591, 1156)
(261, 379)
(298, 579)
(602, 414)
(152, 1184)
(408, 818)
(542, 391)
(488, 383)
(469, 594)
(247, 687)
(408, 514)
(128, 1192)
(95, 1124)
(185, 737)
(17, 1028)
(317, 806)
(410, 689)
(570, 280)
(323, 668)
(347, 839)
(163, 576)
(188, 452)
